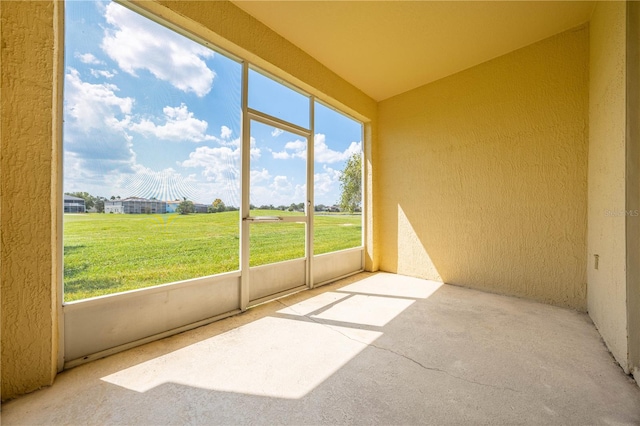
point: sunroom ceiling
(388, 47)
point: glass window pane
(270, 97)
(278, 173)
(337, 181)
(151, 154)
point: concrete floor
(371, 349)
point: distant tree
(217, 206)
(99, 204)
(186, 207)
(351, 184)
(320, 208)
(281, 208)
(252, 207)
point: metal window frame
(247, 115)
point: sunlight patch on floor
(284, 357)
(274, 357)
(399, 286)
(366, 310)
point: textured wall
(633, 187)
(483, 175)
(27, 255)
(607, 125)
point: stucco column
(30, 59)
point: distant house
(73, 204)
(172, 206)
(198, 208)
(135, 205)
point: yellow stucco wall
(633, 187)
(27, 193)
(483, 175)
(607, 124)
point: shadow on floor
(373, 348)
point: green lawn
(107, 253)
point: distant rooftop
(72, 198)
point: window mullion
(244, 192)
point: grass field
(107, 253)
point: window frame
(244, 59)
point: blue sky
(150, 113)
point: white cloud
(99, 154)
(103, 73)
(300, 193)
(294, 149)
(281, 184)
(180, 125)
(136, 43)
(324, 154)
(235, 143)
(96, 144)
(326, 181)
(258, 176)
(167, 184)
(281, 190)
(218, 163)
(88, 58)
(253, 151)
(229, 142)
(276, 132)
(77, 177)
(93, 105)
(297, 146)
(225, 132)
